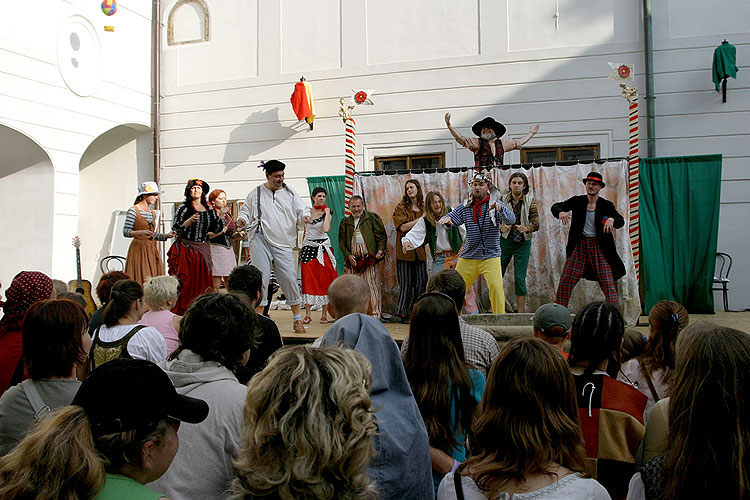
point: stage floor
(738, 320)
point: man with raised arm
(487, 146)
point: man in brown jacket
(362, 240)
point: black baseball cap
(128, 394)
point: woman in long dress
(143, 259)
(317, 261)
(190, 256)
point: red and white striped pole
(631, 94)
(349, 160)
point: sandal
(307, 320)
(323, 321)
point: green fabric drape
(334, 186)
(679, 204)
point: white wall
(109, 179)
(27, 186)
(65, 81)
(226, 101)
(692, 120)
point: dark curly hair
(219, 327)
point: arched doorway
(26, 184)
(110, 170)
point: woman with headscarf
(27, 287)
(401, 467)
(143, 259)
(189, 258)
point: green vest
(454, 237)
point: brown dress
(143, 255)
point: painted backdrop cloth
(549, 184)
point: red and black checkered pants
(586, 256)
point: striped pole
(631, 94)
(351, 132)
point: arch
(188, 22)
(110, 170)
(27, 181)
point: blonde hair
(56, 460)
(159, 290)
(310, 435)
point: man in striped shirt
(481, 253)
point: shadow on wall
(260, 132)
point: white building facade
(228, 69)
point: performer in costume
(515, 240)
(273, 212)
(143, 259)
(363, 240)
(411, 267)
(189, 258)
(445, 241)
(481, 252)
(223, 258)
(488, 147)
(317, 262)
(591, 246)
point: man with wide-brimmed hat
(481, 252)
(273, 212)
(488, 146)
(591, 246)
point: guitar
(79, 285)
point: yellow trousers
(491, 269)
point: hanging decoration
(362, 96)
(631, 94)
(109, 7)
(302, 102)
(724, 66)
(621, 71)
(349, 152)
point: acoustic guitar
(79, 285)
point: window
(411, 162)
(187, 23)
(560, 153)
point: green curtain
(334, 186)
(679, 212)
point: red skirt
(189, 262)
(315, 280)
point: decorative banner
(350, 156)
(362, 96)
(109, 7)
(302, 102)
(621, 71)
(631, 94)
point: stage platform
(502, 326)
